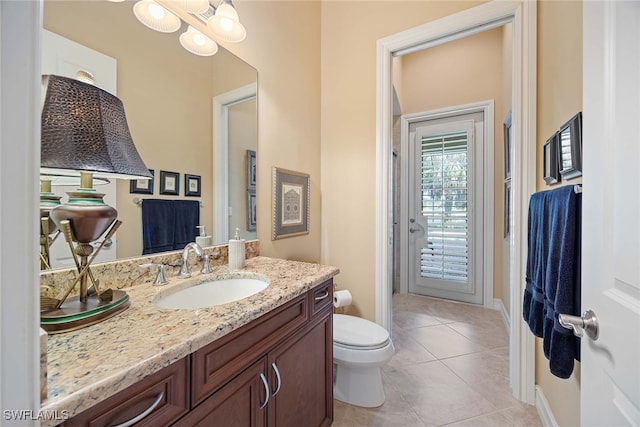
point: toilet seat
(357, 333)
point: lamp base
(74, 314)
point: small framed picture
(251, 170)
(251, 210)
(551, 167)
(142, 186)
(169, 183)
(507, 207)
(192, 185)
(290, 203)
(570, 148)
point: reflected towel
(168, 224)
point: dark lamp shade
(84, 128)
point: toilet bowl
(360, 349)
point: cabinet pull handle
(266, 391)
(323, 296)
(275, 369)
(147, 411)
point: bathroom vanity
(265, 360)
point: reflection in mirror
(167, 94)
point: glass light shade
(226, 25)
(197, 43)
(156, 17)
(84, 128)
(192, 6)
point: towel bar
(138, 201)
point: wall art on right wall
(570, 147)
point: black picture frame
(507, 208)
(169, 183)
(142, 186)
(251, 210)
(251, 170)
(192, 185)
(550, 164)
(570, 148)
(290, 203)
(508, 144)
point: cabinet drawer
(217, 363)
(321, 297)
(164, 395)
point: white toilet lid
(357, 332)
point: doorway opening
(487, 16)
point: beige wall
(283, 44)
(457, 73)
(242, 137)
(559, 98)
(167, 93)
(348, 116)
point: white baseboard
(544, 410)
(498, 305)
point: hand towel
(158, 218)
(553, 274)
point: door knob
(587, 323)
(413, 230)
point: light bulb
(226, 24)
(156, 11)
(199, 39)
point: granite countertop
(91, 364)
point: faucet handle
(206, 265)
(161, 278)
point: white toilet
(360, 349)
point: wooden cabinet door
(301, 377)
(237, 404)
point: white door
(66, 58)
(610, 368)
(445, 208)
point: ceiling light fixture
(205, 22)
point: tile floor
(451, 368)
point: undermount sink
(212, 293)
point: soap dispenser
(203, 240)
(236, 252)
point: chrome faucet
(185, 271)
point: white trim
(544, 409)
(499, 305)
(20, 27)
(221, 104)
(487, 108)
(523, 16)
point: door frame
(221, 105)
(522, 14)
(487, 108)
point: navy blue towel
(553, 274)
(168, 224)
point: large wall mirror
(168, 96)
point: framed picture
(251, 210)
(192, 185)
(551, 171)
(507, 207)
(508, 144)
(290, 203)
(169, 183)
(570, 148)
(251, 170)
(142, 186)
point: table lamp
(84, 131)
